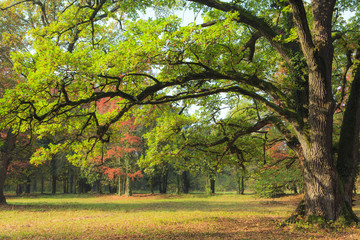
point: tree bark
(128, 188)
(71, 180)
(151, 184)
(34, 185)
(19, 189)
(53, 183)
(75, 183)
(319, 172)
(348, 149)
(53, 174)
(119, 185)
(163, 181)
(42, 184)
(212, 185)
(241, 185)
(178, 183)
(28, 185)
(65, 185)
(6, 151)
(186, 182)
(3, 171)
(98, 186)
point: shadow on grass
(135, 207)
(139, 203)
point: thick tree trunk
(5, 159)
(320, 185)
(348, 150)
(315, 132)
(3, 170)
(319, 172)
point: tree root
(298, 214)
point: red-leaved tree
(117, 160)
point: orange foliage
(279, 151)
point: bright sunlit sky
(189, 16)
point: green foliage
(274, 181)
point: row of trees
(295, 62)
(158, 153)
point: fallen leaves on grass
(157, 217)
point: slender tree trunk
(240, 180)
(186, 182)
(98, 186)
(123, 186)
(53, 174)
(212, 185)
(71, 180)
(128, 186)
(19, 189)
(119, 188)
(294, 187)
(28, 185)
(65, 185)
(53, 184)
(151, 183)
(178, 184)
(242, 189)
(42, 184)
(75, 184)
(163, 181)
(34, 185)
(84, 187)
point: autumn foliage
(124, 144)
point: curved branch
(13, 5)
(303, 30)
(230, 141)
(234, 89)
(249, 19)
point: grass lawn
(142, 216)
